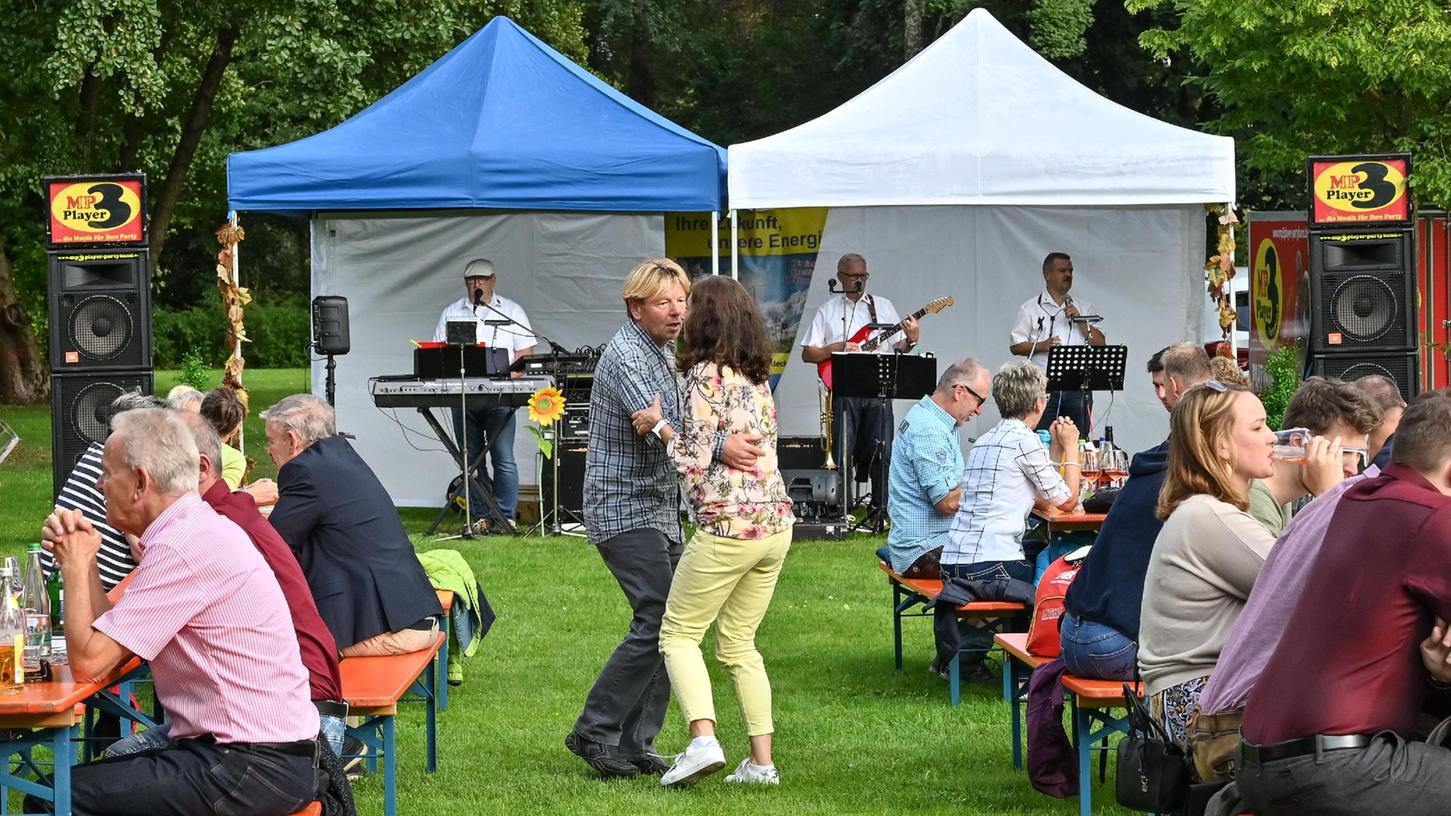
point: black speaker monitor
(330, 325)
(80, 413)
(1404, 368)
(570, 487)
(100, 311)
(1363, 292)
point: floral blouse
(725, 501)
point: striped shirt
(206, 612)
(80, 493)
(1007, 469)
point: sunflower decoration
(546, 406)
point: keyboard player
(490, 426)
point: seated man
(926, 472)
(335, 515)
(1385, 395)
(319, 650)
(1327, 726)
(205, 611)
(1100, 623)
(114, 560)
(1333, 409)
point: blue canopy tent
(502, 149)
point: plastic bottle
(35, 600)
(12, 637)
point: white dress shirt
(516, 337)
(1039, 318)
(838, 312)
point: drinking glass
(1290, 444)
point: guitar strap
(872, 308)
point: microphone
(478, 298)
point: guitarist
(842, 317)
(1047, 320)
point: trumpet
(823, 400)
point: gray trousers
(626, 707)
(1391, 775)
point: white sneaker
(754, 774)
(694, 764)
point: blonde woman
(743, 528)
(1210, 550)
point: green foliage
(194, 370)
(1059, 26)
(280, 335)
(1301, 77)
(1283, 368)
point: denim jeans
(951, 639)
(494, 426)
(1096, 651)
(333, 729)
(191, 777)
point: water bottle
(54, 592)
(35, 600)
(12, 636)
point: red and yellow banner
(96, 210)
(1359, 190)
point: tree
(1299, 77)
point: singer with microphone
(491, 426)
(1054, 318)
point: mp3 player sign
(96, 210)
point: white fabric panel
(1140, 267)
(399, 271)
(979, 118)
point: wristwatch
(656, 430)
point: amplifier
(574, 425)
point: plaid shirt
(629, 480)
(1007, 468)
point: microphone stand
(845, 471)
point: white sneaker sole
(694, 776)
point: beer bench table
(1093, 703)
(373, 687)
(445, 599)
(911, 592)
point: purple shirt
(206, 612)
(1257, 632)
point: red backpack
(1048, 603)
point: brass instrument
(823, 400)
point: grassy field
(854, 736)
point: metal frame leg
(442, 682)
(1083, 743)
(390, 768)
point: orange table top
(378, 682)
(57, 696)
(1016, 644)
(1057, 517)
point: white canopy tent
(956, 174)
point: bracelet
(1072, 464)
(656, 430)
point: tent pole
(735, 250)
(237, 347)
(715, 242)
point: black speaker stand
(329, 386)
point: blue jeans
(494, 425)
(160, 737)
(1096, 651)
(950, 634)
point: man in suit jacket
(337, 517)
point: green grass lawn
(854, 736)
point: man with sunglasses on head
(926, 479)
(836, 322)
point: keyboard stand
(480, 484)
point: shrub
(194, 371)
(1283, 368)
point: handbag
(1152, 773)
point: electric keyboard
(413, 393)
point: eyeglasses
(863, 275)
(980, 400)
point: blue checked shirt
(926, 466)
(630, 482)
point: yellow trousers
(728, 581)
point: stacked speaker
(99, 283)
(1363, 307)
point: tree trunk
(23, 376)
(911, 27)
(86, 121)
(191, 135)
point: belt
(331, 708)
(425, 624)
(1304, 746)
(302, 748)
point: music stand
(1087, 368)
(882, 377)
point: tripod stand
(883, 378)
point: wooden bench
(373, 687)
(911, 592)
(314, 809)
(445, 599)
(1092, 703)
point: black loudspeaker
(1404, 368)
(1362, 292)
(80, 413)
(330, 325)
(568, 471)
(100, 311)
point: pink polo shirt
(206, 612)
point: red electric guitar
(823, 368)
